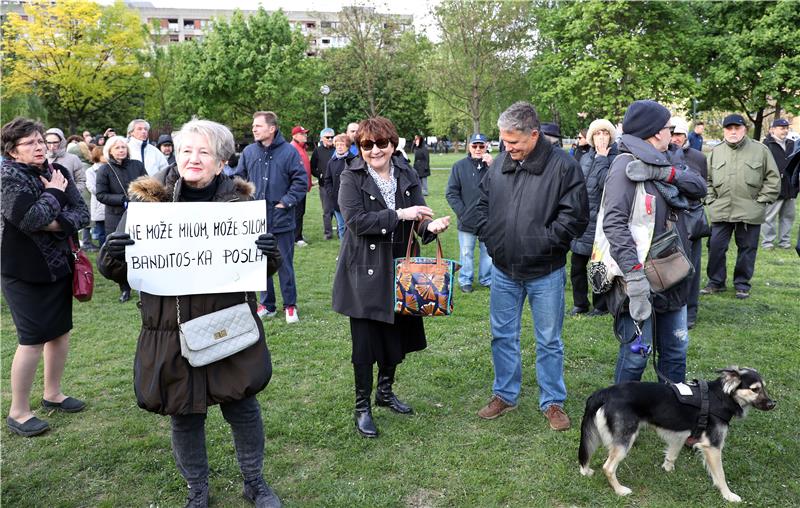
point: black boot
(363, 414)
(384, 395)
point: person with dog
(743, 180)
(533, 204)
(644, 158)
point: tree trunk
(757, 124)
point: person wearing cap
(594, 165)
(780, 214)
(140, 149)
(463, 192)
(552, 133)
(696, 136)
(422, 163)
(276, 170)
(319, 163)
(644, 158)
(742, 180)
(299, 139)
(164, 144)
(532, 204)
(695, 216)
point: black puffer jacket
(530, 211)
(595, 169)
(782, 156)
(422, 162)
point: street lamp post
(325, 90)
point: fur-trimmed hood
(164, 187)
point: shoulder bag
(424, 286)
(212, 337)
(82, 274)
(666, 264)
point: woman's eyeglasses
(367, 144)
(33, 142)
(328, 137)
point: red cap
(298, 129)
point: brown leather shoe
(557, 417)
(495, 408)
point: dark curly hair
(17, 129)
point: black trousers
(696, 257)
(327, 212)
(746, 236)
(580, 284)
(299, 213)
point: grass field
(115, 454)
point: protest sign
(196, 248)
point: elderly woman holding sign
(164, 380)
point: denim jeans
(546, 298)
(671, 346)
(466, 242)
(189, 441)
(285, 274)
(340, 226)
(99, 232)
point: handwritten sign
(196, 248)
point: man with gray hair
(533, 203)
(139, 149)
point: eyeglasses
(328, 137)
(367, 144)
(52, 143)
(33, 142)
(478, 145)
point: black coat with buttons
(363, 286)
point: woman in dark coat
(381, 200)
(164, 381)
(111, 186)
(41, 210)
(422, 162)
(595, 163)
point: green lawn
(115, 454)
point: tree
(753, 64)
(478, 57)
(79, 58)
(597, 57)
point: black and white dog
(615, 414)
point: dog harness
(696, 394)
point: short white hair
(113, 140)
(219, 138)
(133, 123)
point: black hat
(780, 122)
(644, 119)
(164, 139)
(733, 120)
(551, 129)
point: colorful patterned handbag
(424, 286)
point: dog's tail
(590, 437)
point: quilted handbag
(424, 286)
(217, 335)
(82, 275)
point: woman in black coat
(113, 179)
(595, 164)
(422, 162)
(381, 200)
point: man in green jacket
(742, 180)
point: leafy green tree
(753, 64)
(79, 58)
(596, 57)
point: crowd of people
(526, 209)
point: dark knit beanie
(644, 119)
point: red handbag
(82, 275)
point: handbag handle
(178, 306)
(439, 254)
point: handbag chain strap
(178, 306)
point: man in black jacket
(319, 163)
(644, 158)
(780, 214)
(533, 203)
(462, 194)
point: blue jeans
(546, 298)
(285, 274)
(466, 242)
(99, 232)
(671, 346)
(340, 227)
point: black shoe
(466, 288)
(260, 494)
(68, 405)
(384, 396)
(596, 312)
(198, 497)
(125, 296)
(578, 310)
(32, 427)
(741, 294)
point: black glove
(267, 244)
(116, 243)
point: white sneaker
(291, 314)
(301, 243)
(264, 312)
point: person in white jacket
(97, 210)
(141, 150)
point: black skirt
(41, 312)
(384, 343)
